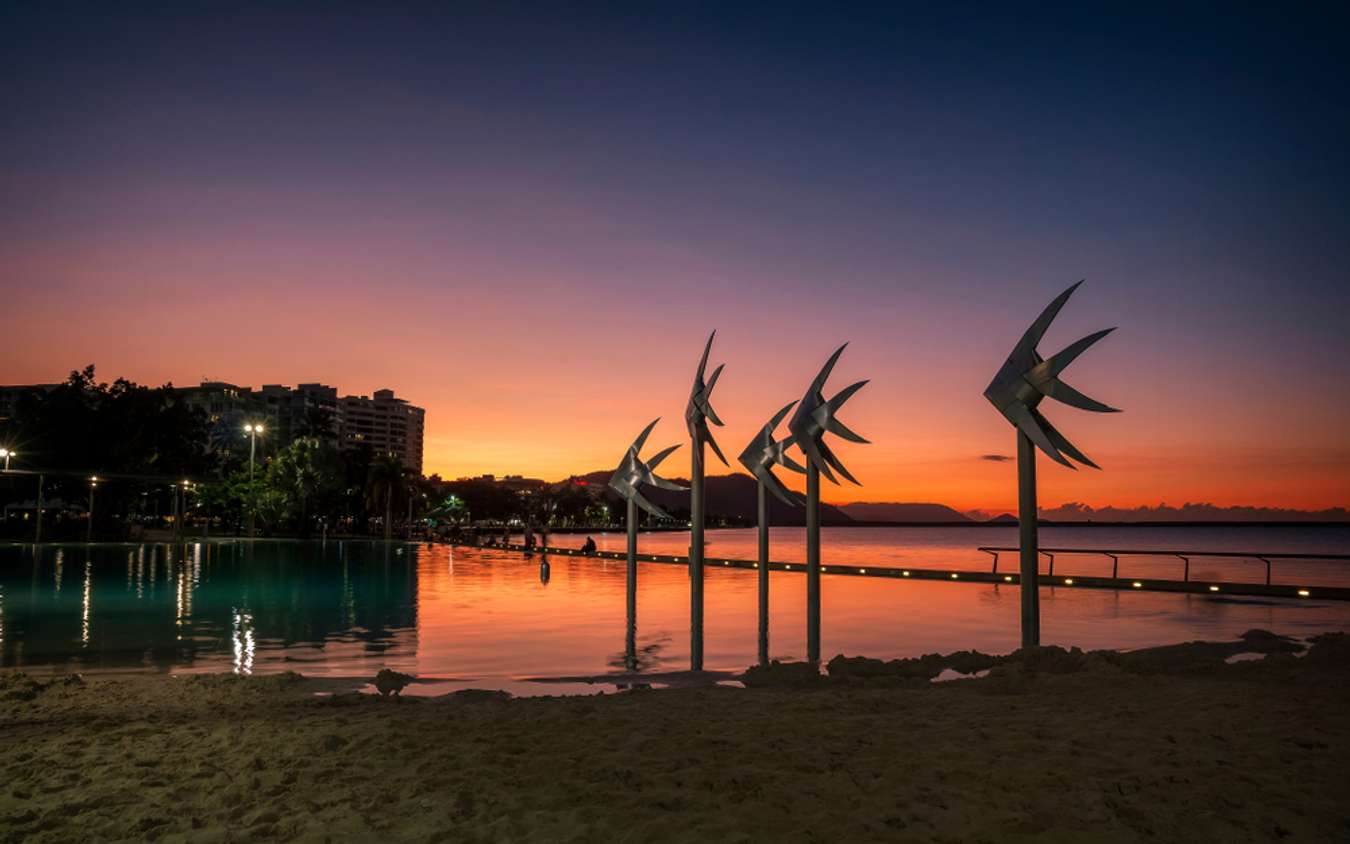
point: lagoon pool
(493, 620)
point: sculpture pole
(759, 458)
(812, 562)
(697, 414)
(1030, 547)
(1018, 388)
(627, 480)
(814, 417)
(763, 513)
(630, 643)
(696, 556)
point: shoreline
(1172, 743)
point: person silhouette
(589, 547)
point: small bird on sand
(389, 682)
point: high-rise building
(389, 425)
(382, 421)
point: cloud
(996, 458)
(1076, 511)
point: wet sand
(1173, 745)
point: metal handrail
(1185, 556)
(947, 575)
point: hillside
(731, 497)
(864, 511)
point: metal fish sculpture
(1026, 378)
(633, 472)
(816, 415)
(764, 452)
(699, 411)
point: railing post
(1186, 572)
(1267, 562)
(1052, 563)
(1115, 566)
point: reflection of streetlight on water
(242, 634)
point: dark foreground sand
(1049, 747)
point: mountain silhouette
(731, 497)
(866, 511)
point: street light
(254, 430)
(6, 453)
(89, 529)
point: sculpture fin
(819, 384)
(835, 426)
(1062, 443)
(642, 437)
(1059, 391)
(648, 506)
(779, 490)
(707, 397)
(1034, 334)
(844, 395)
(1055, 364)
(661, 455)
(703, 361)
(812, 451)
(778, 418)
(1028, 422)
(716, 450)
(838, 466)
(787, 461)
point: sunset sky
(528, 222)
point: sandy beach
(1167, 745)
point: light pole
(89, 529)
(254, 430)
(6, 453)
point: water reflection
(87, 597)
(351, 608)
(242, 639)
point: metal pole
(763, 575)
(696, 557)
(252, 494)
(1026, 519)
(812, 563)
(630, 649)
(37, 536)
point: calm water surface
(491, 619)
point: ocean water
(493, 619)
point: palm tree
(300, 472)
(386, 474)
(318, 422)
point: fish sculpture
(1026, 379)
